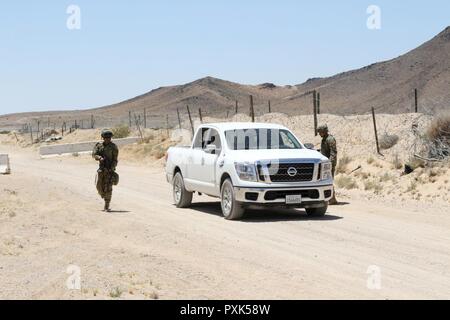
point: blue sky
(126, 48)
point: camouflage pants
(105, 185)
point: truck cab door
(210, 157)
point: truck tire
(317, 212)
(181, 196)
(231, 209)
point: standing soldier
(328, 149)
(106, 153)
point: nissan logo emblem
(292, 172)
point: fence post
(416, 103)
(190, 120)
(315, 111)
(236, 111)
(252, 110)
(179, 119)
(200, 114)
(92, 121)
(145, 118)
(129, 117)
(167, 125)
(375, 128)
(270, 111)
(318, 102)
(31, 132)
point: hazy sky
(126, 48)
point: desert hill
(388, 86)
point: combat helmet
(107, 133)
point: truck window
(207, 136)
(261, 139)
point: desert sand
(50, 220)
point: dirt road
(50, 219)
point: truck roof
(225, 126)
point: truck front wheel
(181, 196)
(231, 209)
(317, 212)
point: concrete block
(61, 149)
(4, 164)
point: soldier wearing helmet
(328, 149)
(106, 153)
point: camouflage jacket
(328, 148)
(109, 152)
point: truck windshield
(261, 139)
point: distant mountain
(388, 86)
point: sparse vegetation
(370, 160)
(121, 131)
(346, 182)
(343, 164)
(412, 186)
(373, 185)
(4, 132)
(387, 141)
(116, 293)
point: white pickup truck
(250, 164)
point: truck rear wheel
(231, 209)
(317, 212)
(181, 196)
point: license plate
(294, 199)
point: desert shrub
(439, 128)
(121, 131)
(116, 292)
(373, 185)
(386, 177)
(438, 134)
(387, 141)
(346, 182)
(370, 160)
(342, 164)
(4, 132)
(412, 186)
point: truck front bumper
(312, 195)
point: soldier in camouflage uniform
(106, 153)
(328, 149)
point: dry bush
(121, 131)
(439, 128)
(346, 182)
(387, 141)
(438, 134)
(373, 185)
(342, 164)
(370, 160)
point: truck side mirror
(309, 146)
(210, 148)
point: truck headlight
(246, 171)
(326, 171)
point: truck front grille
(275, 195)
(289, 172)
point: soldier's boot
(107, 208)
